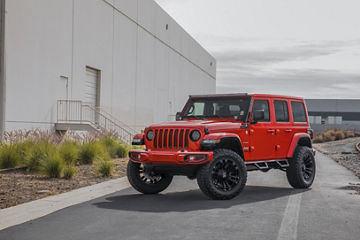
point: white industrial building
(124, 63)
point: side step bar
(281, 164)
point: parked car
(218, 138)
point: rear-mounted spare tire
(224, 177)
(145, 180)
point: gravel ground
(344, 153)
(20, 186)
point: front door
(262, 133)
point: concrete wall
(148, 63)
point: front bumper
(170, 157)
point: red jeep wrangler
(218, 138)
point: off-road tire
(142, 186)
(295, 171)
(209, 185)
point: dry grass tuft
(333, 135)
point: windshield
(218, 107)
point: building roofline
(334, 99)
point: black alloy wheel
(224, 177)
(145, 180)
(302, 168)
(225, 174)
(308, 169)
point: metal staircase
(79, 116)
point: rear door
(262, 134)
(283, 127)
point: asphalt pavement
(268, 208)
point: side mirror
(178, 116)
(257, 116)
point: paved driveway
(267, 209)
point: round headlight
(195, 135)
(150, 135)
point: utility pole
(2, 68)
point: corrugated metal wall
(148, 63)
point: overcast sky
(308, 48)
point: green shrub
(104, 168)
(92, 151)
(23, 147)
(111, 145)
(9, 156)
(69, 152)
(52, 165)
(39, 153)
(69, 172)
(122, 150)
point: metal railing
(75, 111)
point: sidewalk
(31, 210)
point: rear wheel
(224, 177)
(301, 172)
(146, 181)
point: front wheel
(146, 181)
(224, 177)
(301, 172)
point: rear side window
(298, 110)
(281, 111)
(262, 105)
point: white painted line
(28, 211)
(289, 223)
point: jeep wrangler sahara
(218, 138)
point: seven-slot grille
(171, 138)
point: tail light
(311, 133)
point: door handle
(288, 130)
(271, 131)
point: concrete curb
(12, 169)
(35, 209)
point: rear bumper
(170, 157)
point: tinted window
(262, 105)
(218, 107)
(298, 111)
(281, 111)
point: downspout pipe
(2, 68)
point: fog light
(195, 158)
(139, 156)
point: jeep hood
(212, 125)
